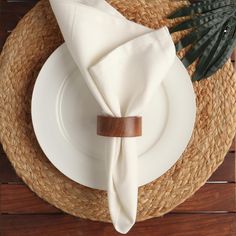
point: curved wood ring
(119, 126)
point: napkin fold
(122, 63)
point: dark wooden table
(210, 212)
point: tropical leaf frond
(212, 36)
(200, 7)
(206, 21)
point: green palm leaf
(224, 48)
(202, 7)
(194, 36)
(207, 21)
(199, 48)
(212, 37)
(222, 58)
(206, 57)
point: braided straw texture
(34, 39)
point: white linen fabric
(122, 63)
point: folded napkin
(122, 63)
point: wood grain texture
(7, 172)
(24, 202)
(233, 146)
(169, 225)
(233, 58)
(211, 197)
(227, 171)
(119, 126)
(11, 11)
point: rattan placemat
(34, 39)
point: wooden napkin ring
(119, 126)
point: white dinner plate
(64, 118)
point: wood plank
(211, 197)
(169, 225)
(7, 172)
(233, 57)
(16, 6)
(18, 199)
(10, 13)
(233, 145)
(227, 171)
(6, 25)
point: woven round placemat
(34, 39)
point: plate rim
(146, 181)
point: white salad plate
(64, 117)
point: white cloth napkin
(122, 63)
